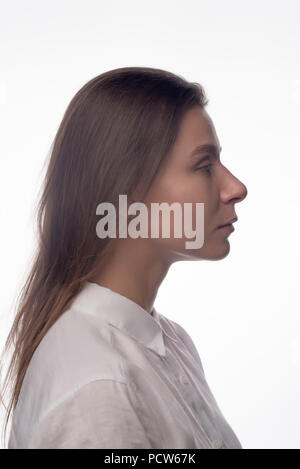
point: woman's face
(187, 177)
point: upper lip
(233, 220)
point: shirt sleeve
(98, 415)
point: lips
(233, 220)
(223, 226)
(230, 225)
(226, 228)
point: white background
(243, 311)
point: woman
(95, 365)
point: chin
(214, 253)
(210, 252)
(221, 252)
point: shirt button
(217, 444)
(183, 379)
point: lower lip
(227, 228)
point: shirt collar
(123, 313)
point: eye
(206, 168)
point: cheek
(184, 187)
(176, 192)
(188, 187)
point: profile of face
(189, 176)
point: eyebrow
(211, 149)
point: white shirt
(108, 374)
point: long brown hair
(114, 135)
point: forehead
(196, 128)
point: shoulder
(75, 343)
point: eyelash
(204, 167)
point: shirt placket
(194, 399)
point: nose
(234, 190)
